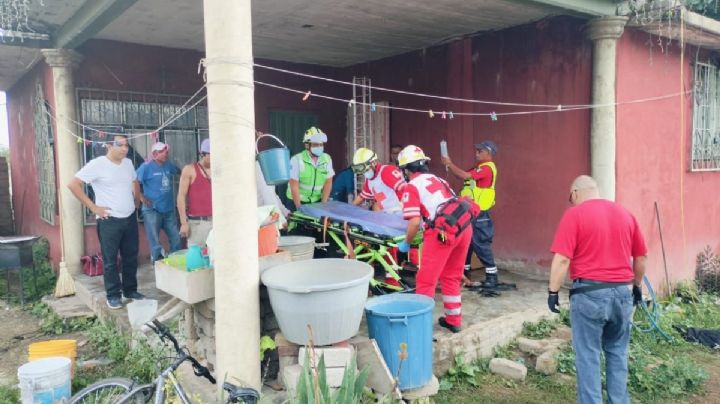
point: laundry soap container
(329, 295)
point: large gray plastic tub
(328, 294)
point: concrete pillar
(63, 62)
(231, 113)
(604, 32)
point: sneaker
(134, 296)
(444, 323)
(114, 303)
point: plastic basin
(403, 319)
(326, 294)
(300, 247)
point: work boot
(444, 323)
(490, 281)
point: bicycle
(118, 390)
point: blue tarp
(380, 223)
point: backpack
(452, 217)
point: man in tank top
(194, 200)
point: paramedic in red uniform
(601, 243)
(443, 254)
(383, 185)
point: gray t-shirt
(112, 184)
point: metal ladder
(361, 130)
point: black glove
(554, 302)
(637, 295)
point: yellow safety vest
(484, 197)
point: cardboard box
(190, 287)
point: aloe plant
(312, 387)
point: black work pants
(119, 235)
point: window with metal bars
(102, 112)
(45, 157)
(706, 119)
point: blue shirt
(157, 185)
(343, 184)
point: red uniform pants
(444, 262)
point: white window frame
(705, 152)
(44, 157)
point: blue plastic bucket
(403, 318)
(274, 163)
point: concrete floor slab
(68, 307)
(91, 291)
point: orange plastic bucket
(267, 240)
(59, 347)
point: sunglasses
(118, 143)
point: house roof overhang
(695, 29)
(325, 32)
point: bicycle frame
(159, 385)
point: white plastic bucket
(45, 381)
(300, 247)
(327, 294)
(141, 311)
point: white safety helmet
(363, 159)
(314, 135)
(411, 154)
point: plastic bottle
(194, 258)
(443, 148)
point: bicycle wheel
(105, 391)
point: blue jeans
(154, 221)
(482, 238)
(601, 321)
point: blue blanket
(381, 223)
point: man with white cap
(194, 200)
(155, 177)
(311, 171)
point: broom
(65, 285)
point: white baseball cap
(159, 146)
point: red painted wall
(548, 62)
(23, 157)
(654, 149)
(120, 66)
(129, 67)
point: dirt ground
(18, 329)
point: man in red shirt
(480, 186)
(601, 243)
(429, 199)
(194, 200)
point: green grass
(44, 276)
(52, 324)
(660, 371)
(141, 362)
(9, 395)
(539, 330)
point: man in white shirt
(117, 195)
